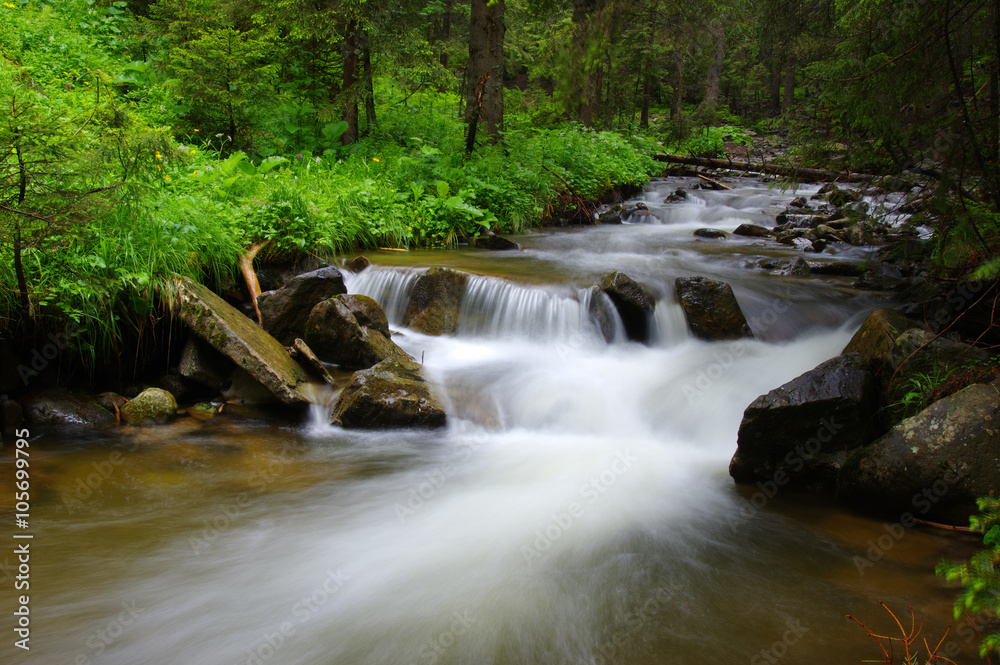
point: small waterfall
(498, 308)
(322, 398)
(390, 287)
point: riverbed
(577, 509)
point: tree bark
(711, 100)
(678, 105)
(484, 76)
(350, 87)
(789, 99)
(369, 83)
(644, 110)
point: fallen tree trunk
(797, 172)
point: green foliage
(710, 141)
(980, 575)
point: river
(576, 510)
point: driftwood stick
(715, 183)
(246, 267)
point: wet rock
(435, 302)
(798, 202)
(877, 336)
(494, 242)
(710, 233)
(797, 267)
(612, 216)
(113, 402)
(633, 302)
(351, 331)
(284, 312)
(678, 195)
(242, 341)
(836, 196)
(203, 411)
(152, 405)
(311, 360)
(933, 465)
(203, 364)
(837, 268)
(58, 406)
(752, 231)
(803, 429)
(711, 309)
(357, 264)
(387, 396)
(874, 279)
(603, 311)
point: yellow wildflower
(9, 4)
(167, 178)
(197, 130)
(195, 172)
(193, 151)
(158, 155)
(376, 159)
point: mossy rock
(436, 301)
(152, 405)
(876, 337)
(388, 395)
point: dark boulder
(612, 216)
(633, 302)
(710, 233)
(494, 242)
(752, 231)
(802, 430)
(284, 312)
(711, 309)
(388, 395)
(678, 195)
(351, 331)
(876, 337)
(203, 364)
(604, 313)
(435, 302)
(933, 465)
(58, 406)
(357, 264)
(837, 268)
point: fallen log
(799, 173)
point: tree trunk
(350, 87)
(644, 110)
(711, 100)
(366, 58)
(445, 31)
(798, 173)
(484, 76)
(22, 194)
(789, 99)
(582, 73)
(678, 105)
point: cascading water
(576, 510)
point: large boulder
(58, 406)
(242, 341)
(388, 395)
(933, 465)
(351, 331)
(753, 231)
(435, 302)
(711, 309)
(153, 405)
(877, 335)
(284, 312)
(203, 364)
(800, 433)
(603, 312)
(633, 302)
(917, 362)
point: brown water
(578, 509)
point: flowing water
(576, 510)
